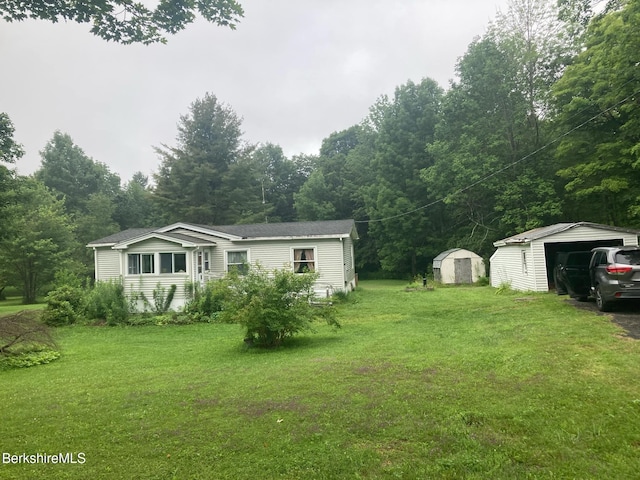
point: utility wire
(500, 170)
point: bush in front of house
(65, 305)
(272, 305)
(205, 302)
(108, 302)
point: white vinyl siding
(107, 264)
(506, 267)
(507, 261)
(146, 283)
(348, 260)
(277, 254)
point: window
(173, 262)
(238, 261)
(304, 260)
(203, 261)
(140, 263)
(524, 262)
(600, 259)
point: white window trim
(525, 268)
(156, 263)
(205, 257)
(140, 255)
(235, 250)
(304, 247)
(173, 252)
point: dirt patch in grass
(626, 314)
(260, 408)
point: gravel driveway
(625, 314)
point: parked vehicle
(609, 274)
(571, 274)
(615, 275)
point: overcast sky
(295, 71)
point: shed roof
(445, 254)
(542, 232)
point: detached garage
(458, 266)
(526, 261)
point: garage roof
(538, 233)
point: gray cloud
(295, 72)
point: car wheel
(601, 303)
(560, 289)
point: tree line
(540, 126)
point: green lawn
(14, 304)
(452, 383)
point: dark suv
(615, 275)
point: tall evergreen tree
(201, 179)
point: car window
(579, 258)
(599, 258)
(629, 257)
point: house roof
(262, 231)
(327, 228)
(120, 237)
(538, 233)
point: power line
(500, 170)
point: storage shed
(458, 266)
(526, 260)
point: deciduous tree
(400, 227)
(38, 240)
(125, 21)
(597, 99)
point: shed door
(462, 269)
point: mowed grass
(451, 383)
(14, 304)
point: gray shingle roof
(249, 231)
(537, 233)
(290, 229)
(122, 236)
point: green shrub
(205, 302)
(28, 359)
(272, 306)
(107, 302)
(65, 305)
(161, 299)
